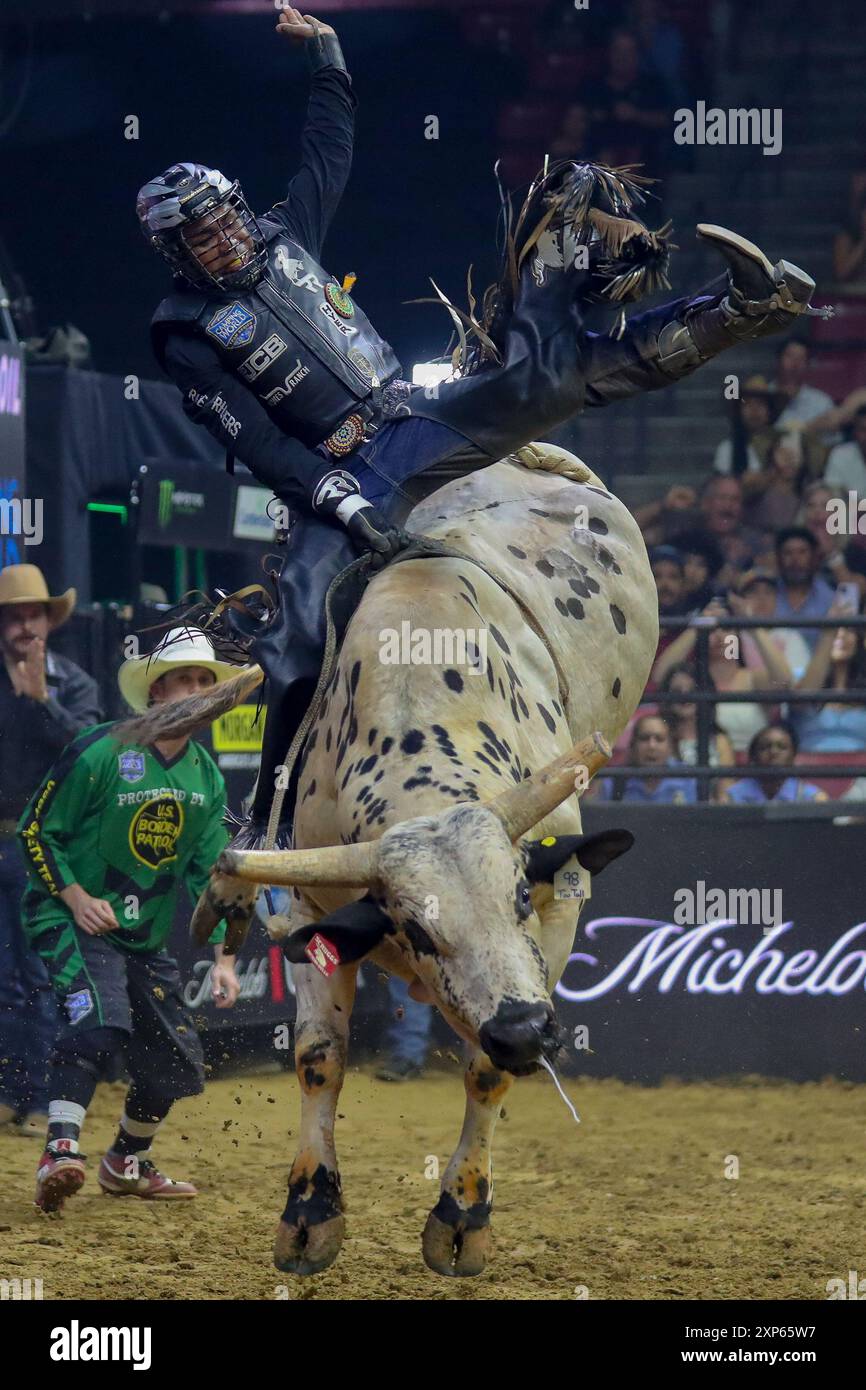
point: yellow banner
(236, 732)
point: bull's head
(452, 893)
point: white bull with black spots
(427, 801)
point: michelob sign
(728, 941)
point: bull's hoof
(308, 1249)
(458, 1251)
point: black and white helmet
(187, 194)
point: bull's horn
(343, 866)
(526, 804)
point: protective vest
(297, 341)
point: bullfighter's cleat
(60, 1174)
(126, 1175)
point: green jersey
(127, 825)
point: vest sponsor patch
(364, 365)
(130, 766)
(232, 325)
(253, 366)
(345, 328)
(293, 269)
(339, 300)
(293, 380)
(154, 832)
(78, 1005)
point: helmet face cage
(186, 204)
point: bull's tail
(182, 718)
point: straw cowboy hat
(26, 584)
(182, 646)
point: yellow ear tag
(572, 881)
(549, 840)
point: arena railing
(94, 638)
(704, 697)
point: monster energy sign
(173, 502)
(185, 503)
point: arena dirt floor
(634, 1204)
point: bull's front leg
(456, 1239)
(311, 1231)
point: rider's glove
(338, 494)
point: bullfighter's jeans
(409, 1026)
(28, 1016)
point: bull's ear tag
(572, 881)
(323, 954)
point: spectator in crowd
(702, 561)
(775, 494)
(746, 448)
(652, 746)
(774, 747)
(849, 249)
(801, 592)
(846, 464)
(715, 518)
(801, 403)
(721, 503)
(758, 590)
(838, 664)
(668, 570)
(663, 519)
(627, 107)
(682, 720)
(662, 47)
(837, 418)
(728, 670)
(45, 700)
(408, 1034)
(669, 574)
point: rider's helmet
(202, 225)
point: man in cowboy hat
(45, 700)
(109, 837)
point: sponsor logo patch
(364, 365)
(253, 366)
(154, 832)
(131, 766)
(345, 328)
(293, 380)
(339, 300)
(79, 1005)
(232, 325)
(293, 269)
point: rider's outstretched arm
(327, 138)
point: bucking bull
(436, 803)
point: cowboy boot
(754, 300)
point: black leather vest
(302, 346)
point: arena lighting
(431, 373)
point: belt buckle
(346, 437)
